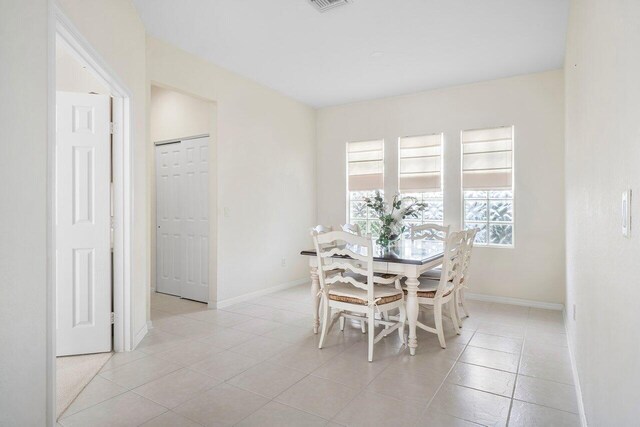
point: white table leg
(412, 310)
(315, 299)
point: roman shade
(487, 159)
(420, 168)
(365, 165)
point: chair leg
(456, 304)
(453, 312)
(325, 320)
(341, 323)
(464, 308)
(402, 319)
(372, 333)
(363, 327)
(437, 315)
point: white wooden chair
(470, 236)
(430, 232)
(356, 295)
(436, 292)
(351, 228)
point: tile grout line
(359, 391)
(292, 323)
(444, 380)
(281, 403)
(515, 382)
(126, 390)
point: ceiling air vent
(324, 5)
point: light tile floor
(257, 364)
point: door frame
(62, 30)
(157, 144)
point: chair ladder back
(352, 228)
(333, 247)
(452, 263)
(429, 232)
(470, 238)
(320, 229)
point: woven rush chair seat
(352, 295)
(427, 288)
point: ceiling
(368, 48)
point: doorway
(183, 198)
(90, 211)
(182, 217)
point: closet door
(196, 219)
(170, 253)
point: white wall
(71, 76)
(23, 212)
(115, 31)
(174, 115)
(266, 171)
(602, 160)
(534, 269)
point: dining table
(406, 258)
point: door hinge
(113, 318)
(113, 128)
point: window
(487, 185)
(365, 176)
(420, 175)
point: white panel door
(83, 224)
(196, 221)
(170, 254)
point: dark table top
(404, 251)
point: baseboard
(576, 378)
(140, 336)
(242, 298)
(514, 301)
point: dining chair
(470, 236)
(356, 295)
(430, 232)
(351, 228)
(438, 292)
(355, 229)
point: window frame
(442, 176)
(349, 220)
(463, 220)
